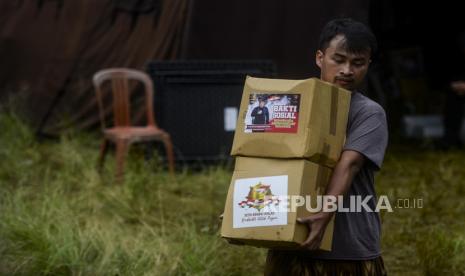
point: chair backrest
(119, 78)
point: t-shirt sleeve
(368, 134)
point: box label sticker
(272, 113)
(230, 118)
(259, 201)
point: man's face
(262, 104)
(344, 69)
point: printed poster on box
(259, 201)
(277, 113)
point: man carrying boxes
(283, 166)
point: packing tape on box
(323, 175)
(333, 115)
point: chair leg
(103, 152)
(169, 153)
(122, 148)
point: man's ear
(319, 58)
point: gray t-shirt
(357, 234)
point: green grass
(428, 240)
(58, 216)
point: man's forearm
(346, 169)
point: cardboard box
(298, 119)
(247, 220)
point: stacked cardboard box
(288, 137)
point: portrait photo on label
(272, 112)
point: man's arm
(254, 112)
(346, 169)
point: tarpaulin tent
(52, 48)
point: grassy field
(58, 216)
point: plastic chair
(122, 134)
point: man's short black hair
(358, 37)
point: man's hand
(316, 228)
